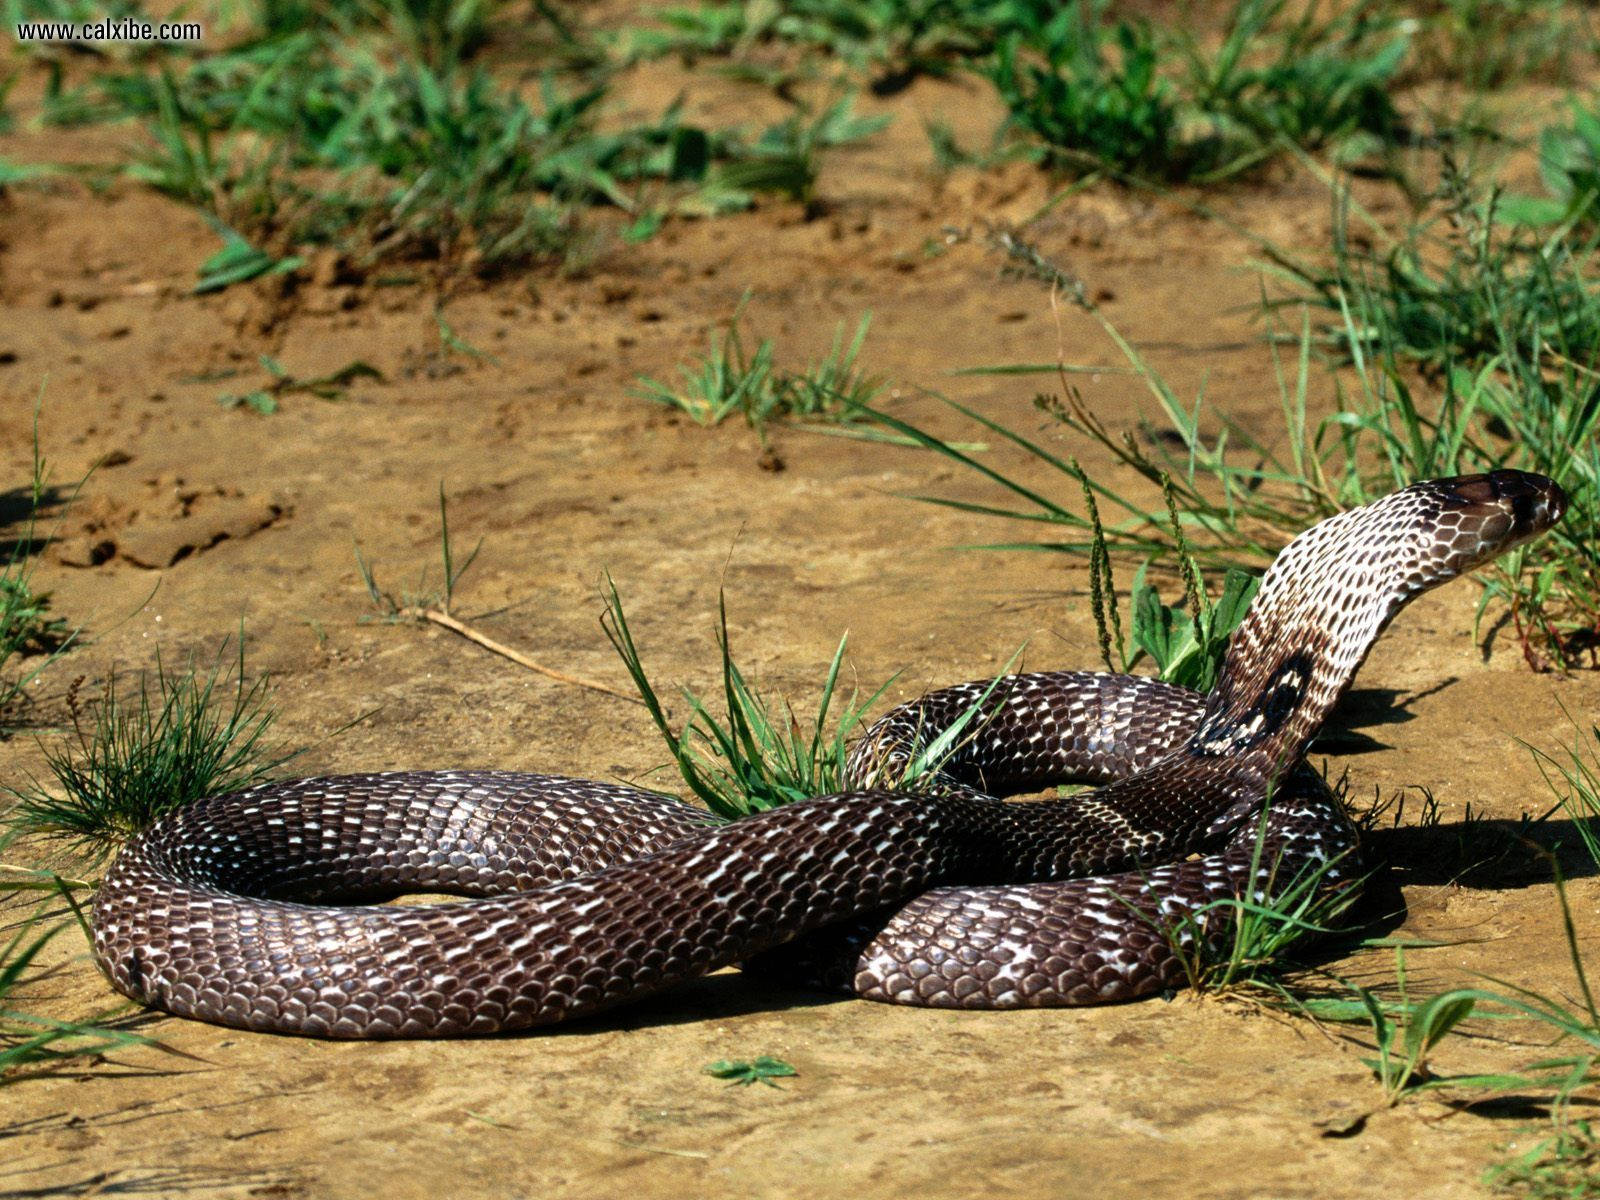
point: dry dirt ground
(200, 519)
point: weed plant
(427, 164)
(1404, 1032)
(741, 1073)
(147, 748)
(1187, 641)
(1575, 1027)
(306, 138)
(1573, 777)
(730, 380)
(1488, 43)
(32, 1044)
(784, 159)
(329, 386)
(426, 595)
(762, 755)
(439, 33)
(1459, 289)
(1562, 1166)
(1569, 167)
(1307, 81)
(26, 626)
(1094, 94)
(896, 40)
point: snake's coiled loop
(237, 909)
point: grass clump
(385, 161)
(32, 1044)
(303, 137)
(1573, 777)
(1095, 94)
(1459, 288)
(1563, 1166)
(1504, 328)
(1186, 641)
(784, 159)
(328, 386)
(1561, 1074)
(761, 755)
(1569, 168)
(731, 380)
(1241, 944)
(1302, 80)
(439, 33)
(147, 748)
(1092, 93)
(1090, 88)
(26, 627)
(1488, 43)
(894, 40)
(425, 596)
(1405, 1033)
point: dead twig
(444, 619)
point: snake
(263, 909)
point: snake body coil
(244, 909)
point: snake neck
(1322, 604)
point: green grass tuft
(1241, 944)
(149, 747)
(426, 595)
(1092, 94)
(1563, 1166)
(893, 40)
(1097, 93)
(32, 1044)
(1502, 328)
(730, 380)
(1490, 43)
(306, 138)
(762, 755)
(26, 627)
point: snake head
(1480, 517)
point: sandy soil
(201, 518)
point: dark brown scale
(596, 894)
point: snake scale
(257, 909)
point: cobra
(258, 909)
